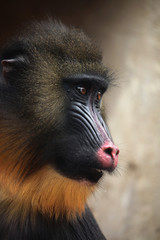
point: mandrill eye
(99, 96)
(82, 90)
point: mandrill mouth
(107, 156)
(107, 160)
(92, 175)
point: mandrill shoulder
(84, 228)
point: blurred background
(127, 203)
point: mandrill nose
(108, 155)
(112, 151)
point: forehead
(96, 80)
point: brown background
(127, 204)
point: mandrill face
(85, 147)
(54, 143)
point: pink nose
(108, 155)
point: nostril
(108, 151)
(111, 151)
(117, 152)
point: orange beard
(45, 190)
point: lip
(96, 174)
(93, 175)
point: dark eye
(99, 96)
(82, 90)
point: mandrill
(54, 143)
